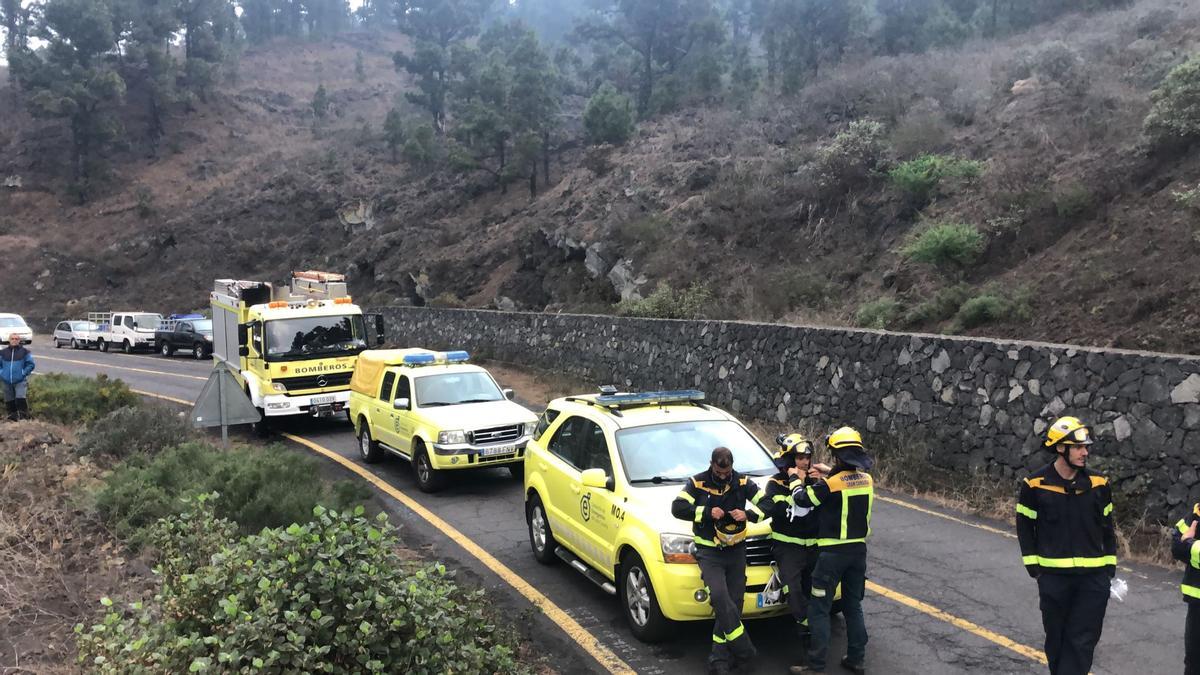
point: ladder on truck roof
(319, 285)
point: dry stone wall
(978, 404)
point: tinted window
(63, 326)
(129, 322)
(385, 390)
(580, 442)
(595, 449)
(544, 421)
(402, 389)
(680, 449)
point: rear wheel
(541, 539)
(57, 343)
(429, 479)
(368, 448)
(102, 345)
(165, 349)
(639, 602)
(126, 347)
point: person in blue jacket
(16, 363)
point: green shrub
(941, 306)
(784, 289)
(918, 178)
(982, 309)
(1188, 199)
(260, 487)
(879, 314)
(608, 117)
(1073, 200)
(1057, 62)
(134, 429)
(1175, 113)
(70, 399)
(332, 596)
(946, 245)
(693, 302)
(849, 159)
(420, 146)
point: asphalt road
(948, 593)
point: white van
(13, 323)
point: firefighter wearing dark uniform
(1065, 528)
(1186, 549)
(793, 528)
(843, 502)
(719, 502)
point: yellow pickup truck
(437, 411)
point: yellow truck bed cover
(368, 370)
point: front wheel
(429, 479)
(541, 539)
(126, 347)
(639, 603)
(198, 352)
(57, 343)
(368, 448)
(102, 345)
(165, 349)
(261, 428)
(74, 343)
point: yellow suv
(437, 411)
(600, 475)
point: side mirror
(380, 331)
(243, 334)
(243, 350)
(594, 478)
(508, 393)
(400, 404)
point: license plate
(500, 450)
(761, 600)
(321, 400)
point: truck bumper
(678, 585)
(315, 405)
(466, 456)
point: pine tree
(608, 118)
(360, 71)
(393, 132)
(320, 106)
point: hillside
(1085, 240)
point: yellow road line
(603, 655)
(136, 370)
(974, 629)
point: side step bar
(592, 575)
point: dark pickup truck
(190, 334)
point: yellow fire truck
(293, 348)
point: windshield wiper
(657, 480)
(480, 400)
(434, 404)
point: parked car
(190, 333)
(80, 334)
(13, 323)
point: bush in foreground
(693, 302)
(1175, 115)
(918, 178)
(70, 399)
(331, 596)
(260, 487)
(134, 429)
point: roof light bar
(458, 356)
(418, 359)
(650, 397)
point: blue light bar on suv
(457, 357)
(418, 359)
(650, 398)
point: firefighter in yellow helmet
(1065, 528)
(1185, 547)
(793, 528)
(843, 502)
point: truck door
(381, 411)
(403, 425)
(185, 335)
(564, 504)
(604, 512)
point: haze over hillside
(760, 181)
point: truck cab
(293, 347)
(191, 333)
(437, 411)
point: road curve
(947, 595)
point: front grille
(758, 551)
(496, 435)
(320, 381)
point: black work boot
(22, 409)
(853, 666)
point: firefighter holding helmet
(1065, 529)
(793, 527)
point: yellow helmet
(846, 437)
(789, 443)
(1068, 431)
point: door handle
(575, 489)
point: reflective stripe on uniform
(846, 495)
(688, 497)
(792, 540)
(1181, 526)
(719, 640)
(1026, 511)
(699, 513)
(812, 496)
(1190, 591)
(1066, 563)
(1029, 560)
(835, 542)
(1108, 509)
(786, 498)
(735, 633)
(704, 542)
(759, 495)
(1196, 554)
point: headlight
(678, 548)
(278, 386)
(452, 437)
(530, 427)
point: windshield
(203, 326)
(83, 325)
(456, 388)
(146, 321)
(678, 450)
(307, 337)
(11, 322)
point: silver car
(78, 334)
